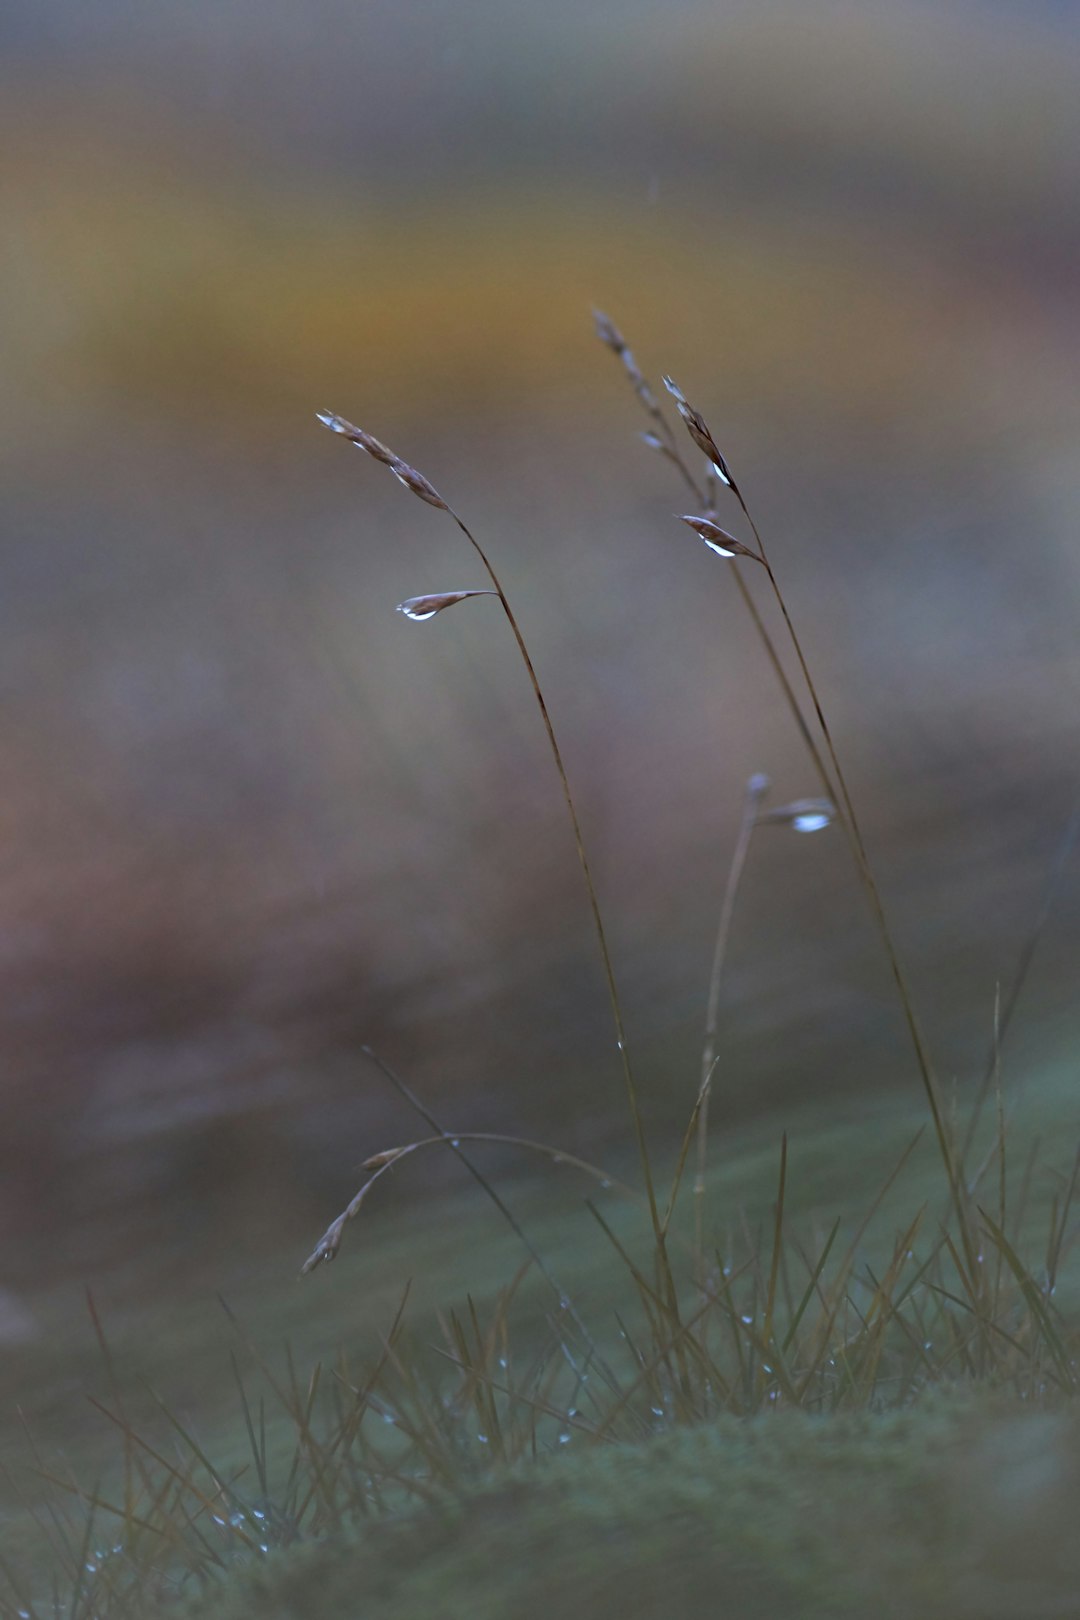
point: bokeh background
(252, 819)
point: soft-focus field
(254, 821)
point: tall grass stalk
(721, 473)
(421, 486)
(756, 789)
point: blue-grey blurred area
(253, 820)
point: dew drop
(814, 821)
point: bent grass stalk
(425, 490)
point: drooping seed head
(718, 539)
(419, 608)
(802, 815)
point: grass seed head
(419, 608)
(698, 429)
(802, 815)
(716, 538)
(412, 480)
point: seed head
(802, 815)
(413, 480)
(612, 338)
(718, 539)
(698, 429)
(419, 608)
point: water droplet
(657, 1411)
(813, 822)
(483, 1439)
(419, 608)
(605, 1183)
(455, 1141)
(619, 1046)
(747, 1321)
(564, 1437)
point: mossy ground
(959, 1507)
(956, 1505)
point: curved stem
(594, 903)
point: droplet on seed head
(802, 815)
(419, 608)
(718, 539)
(698, 429)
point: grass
(757, 1396)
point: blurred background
(253, 819)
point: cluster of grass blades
(720, 1317)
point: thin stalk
(594, 904)
(418, 485)
(862, 861)
(756, 788)
(453, 1143)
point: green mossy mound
(961, 1507)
